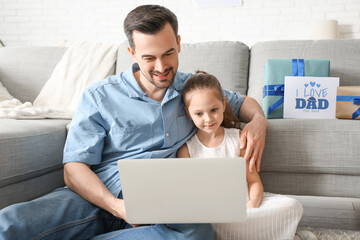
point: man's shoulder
(107, 83)
(181, 78)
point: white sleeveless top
(230, 147)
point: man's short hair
(149, 19)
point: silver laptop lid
(184, 190)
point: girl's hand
(251, 204)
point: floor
(331, 234)
(330, 212)
(331, 217)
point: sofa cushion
(24, 70)
(30, 148)
(227, 60)
(343, 55)
(324, 146)
(330, 185)
(31, 188)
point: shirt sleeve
(85, 139)
(235, 100)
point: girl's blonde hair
(203, 80)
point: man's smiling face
(157, 57)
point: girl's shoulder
(192, 139)
(183, 151)
(232, 131)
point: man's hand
(252, 137)
(121, 211)
(252, 140)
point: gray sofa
(315, 161)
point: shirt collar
(174, 89)
(134, 89)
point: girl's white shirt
(230, 146)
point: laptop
(184, 190)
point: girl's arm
(183, 152)
(255, 188)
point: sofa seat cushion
(329, 146)
(316, 184)
(30, 148)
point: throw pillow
(82, 64)
(4, 94)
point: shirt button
(167, 134)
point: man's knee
(9, 224)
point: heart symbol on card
(306, 84)
(318, 85)
(312, 84)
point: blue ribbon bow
(354, 99)
(274, 90)
(278, 89)
(298, 69)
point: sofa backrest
(344, 56)
(227, 60)
(25, 70)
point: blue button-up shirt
(115, 120)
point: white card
(310, 97)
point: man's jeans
(63, 215)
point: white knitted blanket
(82, 64)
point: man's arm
(252, 137)
(83, 147)
(82, 180)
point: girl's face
(205, 109)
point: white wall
(49, 22)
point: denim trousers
(62, 214)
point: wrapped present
(348, 102)
(274, 75)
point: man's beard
(152, 81)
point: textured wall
(49, 22)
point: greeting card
(310, 97)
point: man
(136, 114)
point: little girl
(269, 216)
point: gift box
(348, 102)
(274, 75)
